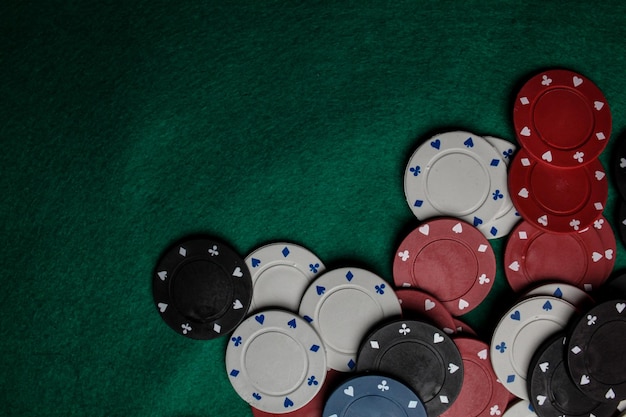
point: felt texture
(127, 125)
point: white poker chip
(342, 305)
(506, 219)
(456, 174)
(276, 361)
(281, 272)
(521, 408)
(520, 332)
(573, 295)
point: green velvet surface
(127, 125)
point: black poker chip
(202, 288)
(418, 354)
(551, 390)
(622, 221)
(619, 166)
(595, 352)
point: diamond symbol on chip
(600, 136)
(374, 344)
(285, 251)
(598, 206)
(576, 350)
(182, 251)
(444, 399)
(524, 100)
(412, 404)
(217, 328)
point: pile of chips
(306, 341)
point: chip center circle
(560, 191)
(274, 359)
(457, 183)
(372, 405)
(289, 279)
(563, 119)
(202, 291)
(573, 270)
(427, 368)
(603, 355)
(337, 314)
(451, 266)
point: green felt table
(127, 125)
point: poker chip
(562, 118)
(595, 352)
(343, 304)
(520, 409)
(202, 288)
(418, 304)
(281, 272)
(619, 166)
(482, 395)
(573, 295)
(622, 221)
(449, 259)
(275, 361)
(552, 391)
(533, 256)
(375, 396)
(456, 174)
(556, 199)
(504, 221)
(520, 332)
(609, 252)
(313, 408)
(463, 328)
(421, 356)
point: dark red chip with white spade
(562, 118)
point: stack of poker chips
(558, 184)
(619, 179)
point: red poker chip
(417, 304)
(533, 256)
(562, 118)
(556, 199)
(609, 252)
(461, 328)
(313, 408)
(481, 395)
(450, 259)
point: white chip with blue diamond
(281, 272)
(343, 304)
(276, 361)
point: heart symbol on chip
(523, 193)
(288, 403)
(349, 391)
(577, 81)
(600, 175)
(598, 105)
(436, 143)
(543, 220)
(541, 399)
(437, 338)
(595, 256)
(458, 228)
(429, 304)
(514, 266)
(260, 318)
(620, 307)
(608, 254)
(237, 305)
(610, 394)
(463, 304)
(544, 367)
(482, 354)
(584, 380)
(424, 229)
(525, 131)
(162, 307)
(516, 315)
(547, 156)
(237, 273)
